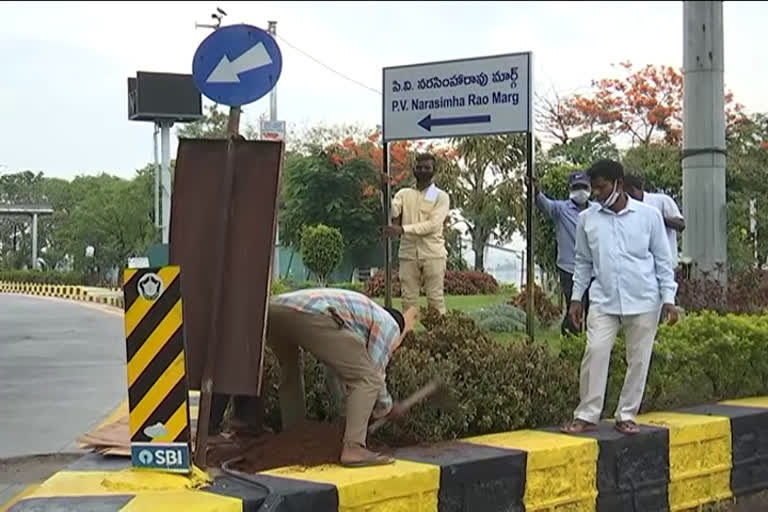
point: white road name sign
(480, 96)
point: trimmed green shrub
(354, 287)
(499, 318)
(322, 249)
(508, 289)
(704, 358)
(489, 387)
(492, 387)
(469, 282)
(279, 286)
(42, 277)
(547, 313)
(747, 293)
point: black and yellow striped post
(157, 385)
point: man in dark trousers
(565, 214)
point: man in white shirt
(623, 244)
(673, 219)
(418, 217)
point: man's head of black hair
(633, 185)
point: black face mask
(423, 176)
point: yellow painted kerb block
(759, 401)
(127, 481)
(699, 457)
(400, 487)
(188, 501)
(561, 471)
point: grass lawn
(549, 335)
(460, 302)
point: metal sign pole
(388, 219)
(158, 222)
(530, 281)
(165, 152)
(207, 384)
(530, 158)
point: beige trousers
(429, 274)
(340, 349)
(640, 333)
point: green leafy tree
(553, 182)
(747, 145)
(213, 125)
(113, 215)
(322, 249)
(21, 188)
(487, 188)
(660, 167)
(344, 196)
(452, 236)
(583, 150)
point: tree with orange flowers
(646, 104)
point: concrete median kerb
(105, 296)
(680, 460)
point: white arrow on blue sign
(237, 65)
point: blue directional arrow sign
(237, 65)
(427, 123)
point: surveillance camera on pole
(215, 16)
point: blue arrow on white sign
(237, 65)
(427, 123)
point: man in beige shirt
(418, 215)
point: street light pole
(705, 236)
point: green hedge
(42, 277)
(494, 387)
(706, 357)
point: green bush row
(492, 387)
(706, 357)
(42, 277)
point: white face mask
(611, 200)
(580, 196)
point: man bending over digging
(355, 338)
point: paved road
(62, 371)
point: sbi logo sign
(145, 457)
(173, 456)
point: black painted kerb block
(632, 471)
(749, 444)
(474, 477)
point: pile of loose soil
(309, 444)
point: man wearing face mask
(564, 214)
(623, 244)
(418, 216)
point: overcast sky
(63, 86)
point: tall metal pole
(530, 281)
(272, 29)
(165, 152)
(705, 236)
(34, 242)
(530, 147)
(388, 219)
(158, 223)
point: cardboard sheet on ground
(112, 437)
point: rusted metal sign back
(199, 194)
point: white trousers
(640, 332)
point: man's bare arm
(678, 224)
